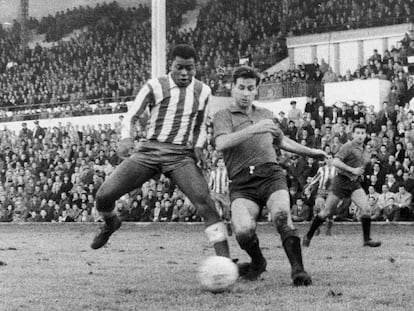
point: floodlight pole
(24, 17)
(159, 39)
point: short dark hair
(359, 126)
(245, 72)
(184, 51)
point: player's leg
(329, 225)
(244, 213)
(127, 176)
(278, 205)
(360, 199)
(331, 202)
(224, 201)
(193, 184)
(319, 205)
(217, 204)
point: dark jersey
(353, 155)
(254, 151)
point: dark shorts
(162, 157)
(258, 184)
(343, 187)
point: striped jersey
(176, 115)
(324, 177)
(219, 181)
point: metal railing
(78, 108)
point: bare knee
(330, 206)
(319, 204)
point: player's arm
(225, 138)
(199, 131)
(294, 147)
(211, 180)
(226, 184)
(357, 171)
(315, 180)
(340, 159)
(144, 98)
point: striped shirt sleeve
(144, 98)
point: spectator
(403, 201)
(376, 212)
(294, 113)
(384, 197)
(187, 213)
(146, 212)
(300, 211)
(391, 210)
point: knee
(202, 200)
(325, 212)
(206, 208)
(319, 203)
(103, 199)
(365, 212)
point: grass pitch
(153, 267)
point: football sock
(294, 252)
(251, 246)
(317, 221)
(329, 225)
(366, 227)
(217, 235)
(106, 215)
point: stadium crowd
(106, 61)
(335, 15)
(109, 58)
(53, 173)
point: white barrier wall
(344, 50)
(371, 92)
(275, 106)
(283, 104)
(216, 104)
(84, 120)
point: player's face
(329, 160)
(244, 92)
(183, 71)
(359, 135)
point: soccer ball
(217, 273)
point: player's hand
(319, 153)
(124, 147)
(358, 171)
(199, 154)
(264, 126)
